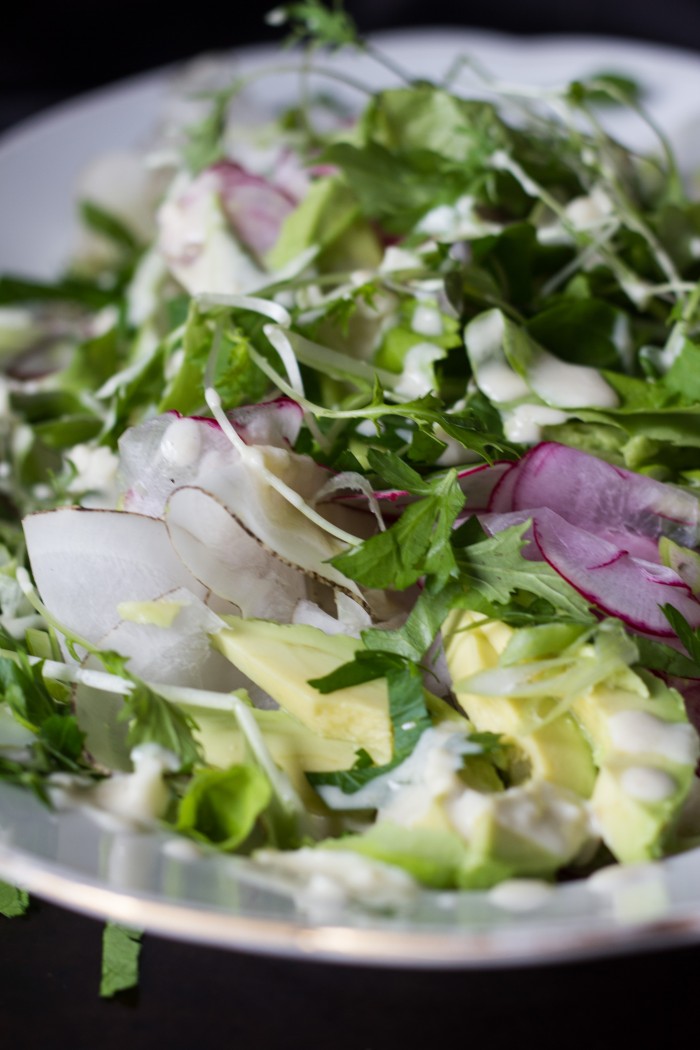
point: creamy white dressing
(589, 211)
(334, 877)
(181, 444)
(554, 820)
(405, 794)
(427, 320)
(123, 801)
(500, 382)
(456, 222)
(525, 422)
(635, 732)
(520, 895)
(647, 784)
(96, 469)
(397, 259)
(418, 376)
(569, 386)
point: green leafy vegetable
(222, 806)
(121, 949)
(13, 902)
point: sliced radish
(179, 653)
(86, 562)
(598, 496)
(162, 454)
(480, 483)
(235, 565)
(610, 578)
(255, 207)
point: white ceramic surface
(141, 879)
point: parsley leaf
(121, 948)
(154, 720)
(409, 719)
(496, 569)
(13, 902)
(419, 542)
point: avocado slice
(647, 752)
(477, 840)
(557, 751)
(282, 658)
(296, 749)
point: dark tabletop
(190, 996)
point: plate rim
(206, 925)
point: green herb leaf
(496, 569)
(109, 226)
(13, 902)
(409, 718)
(221, 806)
(418, 543)
(121, 948)
(154, 720)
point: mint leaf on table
(121, 948)
(13, 901)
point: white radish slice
(228, 560)
(279, 525)
(610, 578)
(255, 207)
(179, 654)
(162, 454)
(86, 562)
(276, 422)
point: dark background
(191, 996)
(51, 49)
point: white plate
(143, 879)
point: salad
(350, 485)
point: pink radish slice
(598, 496)
(501, 499)
(255, 207)
(479, 483)
(493, 523)
(610, 578)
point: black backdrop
(54, 47)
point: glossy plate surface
(152, 881)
